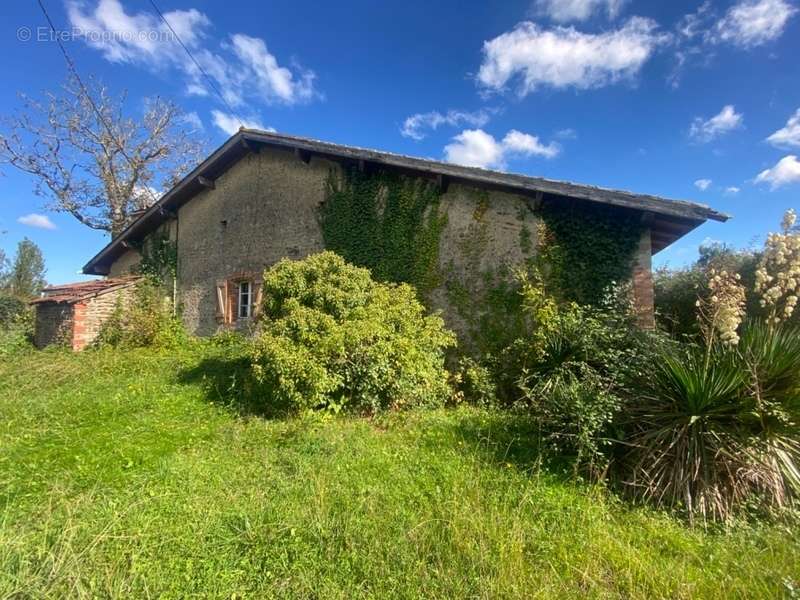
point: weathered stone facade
(125, 264)
(53, 324)
(266, 207)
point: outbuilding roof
(83, 290)
(668, 219)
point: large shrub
(332, 337)
(568, 368)
(716, 428)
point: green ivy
(584, 250)
(487, 299)
(386, 222)
(159, 257)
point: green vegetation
(146, 319)
(387, 223)
(585, 250)
(334, 338)
(21, 280)
(159, 257)
(715, 430)
(24, 278)
(145, 474)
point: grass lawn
(133, 475)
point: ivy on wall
(386, 222)
(392, 225)
(583, 250)
(485, 297)
(159, 257)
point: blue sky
(687, 100)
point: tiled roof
(82, 290)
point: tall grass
(135, 474)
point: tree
(100, 170)
(3, 267)
(26, 278)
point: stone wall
(125, 264)
(76, 324)
(53, 324)
(90, 315)
(266, 207)
(262, 209)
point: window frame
(239, 295)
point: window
(245, 299)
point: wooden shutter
(222, 301)
(256, 291)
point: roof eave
(689, 213)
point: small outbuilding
(72, 314)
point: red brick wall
(643, 284)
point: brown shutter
(256, 297)
(222, 301)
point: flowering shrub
(721, 311)
(778, 274)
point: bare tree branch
(100, 170)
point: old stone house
(73, 314)
(261, 196)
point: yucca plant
(770, 355)
(713, 429)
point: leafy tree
(98, 169)
(26, 278)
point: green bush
(568, 367)
(16, 325)
(331, 337)
(145, 320)
(11, 309)
(714, 430)
(573, 382)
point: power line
(197, 64)
(73, 69)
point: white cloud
(38, 221)
(578, 10)
(708, 241)
(702, 184)
(476, 148)
(567, 134)
(139, 38)
(789, 135)
(414, 126)
(273, 80)
(244, 68)
(705, 130)
(525, 144)
(732, 190)
(230, 124)
(750, 23)
(564, 57)
(786, 171)
(746, 24)
(193, 120)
